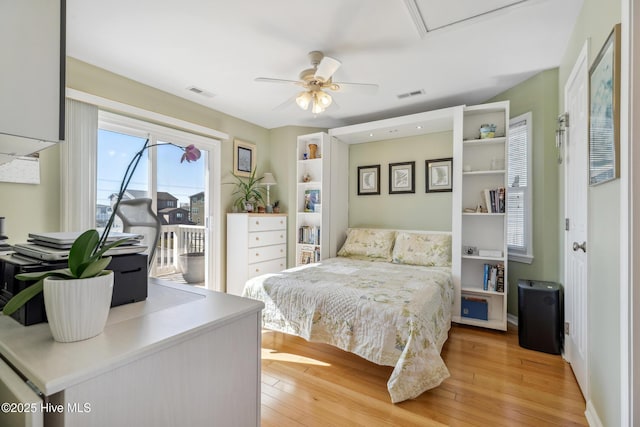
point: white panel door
(575, 198)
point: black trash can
(540, 316)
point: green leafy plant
(248, 191)
(86, 256)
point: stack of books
(309, 234)
(494, 199)
(309, 254)
(493, 277)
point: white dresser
(256, 244)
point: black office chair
(138, 217)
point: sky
(115, 152)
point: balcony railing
(175, 240)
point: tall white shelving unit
(323, 179)
(480, 164)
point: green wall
(539, 95)
(595, 22)
(419, 211)
(33, 207)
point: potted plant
(249, 193)
(276, 206)
(77, 298)
(192, 267)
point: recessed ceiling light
(418, 127)
(370, 134)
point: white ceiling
(222, 46)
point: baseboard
(592, 416)
(512, 318)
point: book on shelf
(311, 199)
(500, 279)
(309, 254)
(309, 234)
(494, 199)
(493, 277)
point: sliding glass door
(180, 193)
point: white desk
(185, 356)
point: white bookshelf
(325, 218)
(480, 164)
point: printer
(129, 282)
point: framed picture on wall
(368, 180)
(439, 173)
(244, 158)
(604, 112)
(402, 178)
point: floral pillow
(430, 250)
(367, 242)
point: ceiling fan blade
(366, 88)
(327, 67)
(270, 80)
(286, 104)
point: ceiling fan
(316, 81)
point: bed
(387, 297)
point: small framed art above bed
(386, 297)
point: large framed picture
(438, 175)
(402, 178)
(604, 112)
(244, 158)
(368, 180)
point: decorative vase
(487, 131)
(77, 309)
(192, 267)
(313, 148)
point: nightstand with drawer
(256, 244)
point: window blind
(518, 181)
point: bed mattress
(390, 314)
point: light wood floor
(494, 382)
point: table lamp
(268, 180)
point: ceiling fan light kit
(318, 100)
(316, 81)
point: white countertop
(170, 314)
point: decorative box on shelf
(474, 307)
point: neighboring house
(166, 200)
(168, 210)
(170, 216)
(103, 212)
(196, 207)
(128, 195)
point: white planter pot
(77, 309)
(192, 267)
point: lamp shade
(303, 100)
(268, 179)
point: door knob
(582, 246)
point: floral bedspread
(390, 314)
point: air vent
(411, 94)
(199, 91)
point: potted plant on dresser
(77, 298)
(248, 192)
